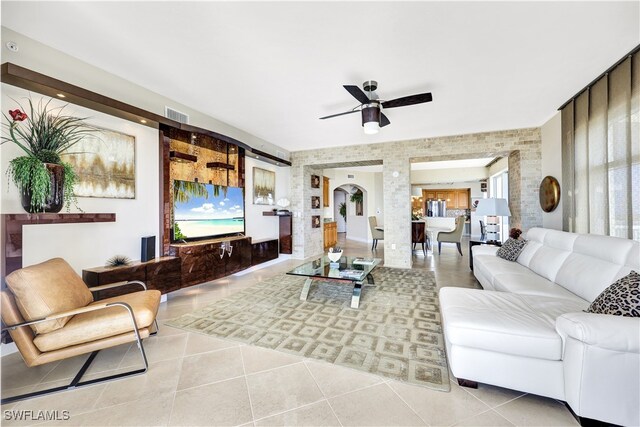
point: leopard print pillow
(622, 298)
(511, 249)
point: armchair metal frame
(76, 381)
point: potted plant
(343, 211)
(45, 182)
(515, 233)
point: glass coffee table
(344, 270)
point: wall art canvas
(106, 165)
(315, 221)
(264, 187)
(474, 202)
(315, 181)
(315, 202)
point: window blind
(601, 154)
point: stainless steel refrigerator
(436, 208)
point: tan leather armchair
(51, 315)
(376, 232)
(454, 236)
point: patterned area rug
(395, 333)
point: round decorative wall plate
(549, 194)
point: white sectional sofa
(527, 330)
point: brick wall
(522, 146)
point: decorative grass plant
(118, 260)
(43, 134)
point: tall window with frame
(499, 189)
(601, 154)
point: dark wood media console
(201, 261)
(263, 251)
(193, 263)
(161, 273)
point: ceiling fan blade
(357, 93)
(408, 100)
(339, 114)
(384, 120)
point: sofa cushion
(511, 249)
(622, 298)
(484, 250)
(548, 259)
(94, 325)
(522, 325)
(532, 284)
(490, 266)
(595, 263)
(48, 288)
(534, 238)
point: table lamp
(284, 204)
(493, 207)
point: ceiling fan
(371, 106)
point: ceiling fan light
(371, 118)
(371, 128)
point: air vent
(280, 155)
(176, 115)
(351, 176)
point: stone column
(524, 180)
(397, 209)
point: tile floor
(201, 380)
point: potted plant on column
(45, 182)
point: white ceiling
(273, 68)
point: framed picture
(315, 221)
(474, 202)
(264, 187)
(315, 202)
(315, 181)
(106, 165)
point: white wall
(357, 226)
(52, 62)
(551, 135)
(258, 226)
(499, 166)
(339, 197)
(90, 245)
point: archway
(356, 225)
(340, 197)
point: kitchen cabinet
(457, 198)
(325, 191)
(452, 199)
(463, 199)
(330, 234)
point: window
(601, 155)
(499, 189)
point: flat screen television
(202, 211)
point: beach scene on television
(206, 210)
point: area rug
(396, 331)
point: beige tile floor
(201, 380)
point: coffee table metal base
(355, 297)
